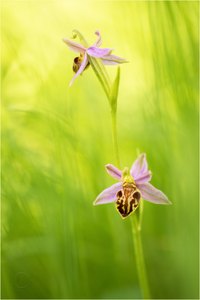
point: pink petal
(151, 194)
(113, 60)
(109, 194)
(98, 41)
(113, 171)
(74, 46)
(96, 52)
(109, 62)
(145, 177)
(139, 167)
(81, 69)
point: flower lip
(80, 69)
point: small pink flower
(132, 186)
(81, 62)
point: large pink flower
(81, 62)
(132, 186)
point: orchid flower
(82, 62)
(132, 186)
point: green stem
(114, 134)
(111, 92)
(140, 258)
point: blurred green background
(56, 141)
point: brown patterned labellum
(127, 199)
(77, 63)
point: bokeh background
(56, 141)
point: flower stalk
(141, 268)
(113, 105)
(114, 135)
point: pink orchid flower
(132, 186)
(82, 62)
